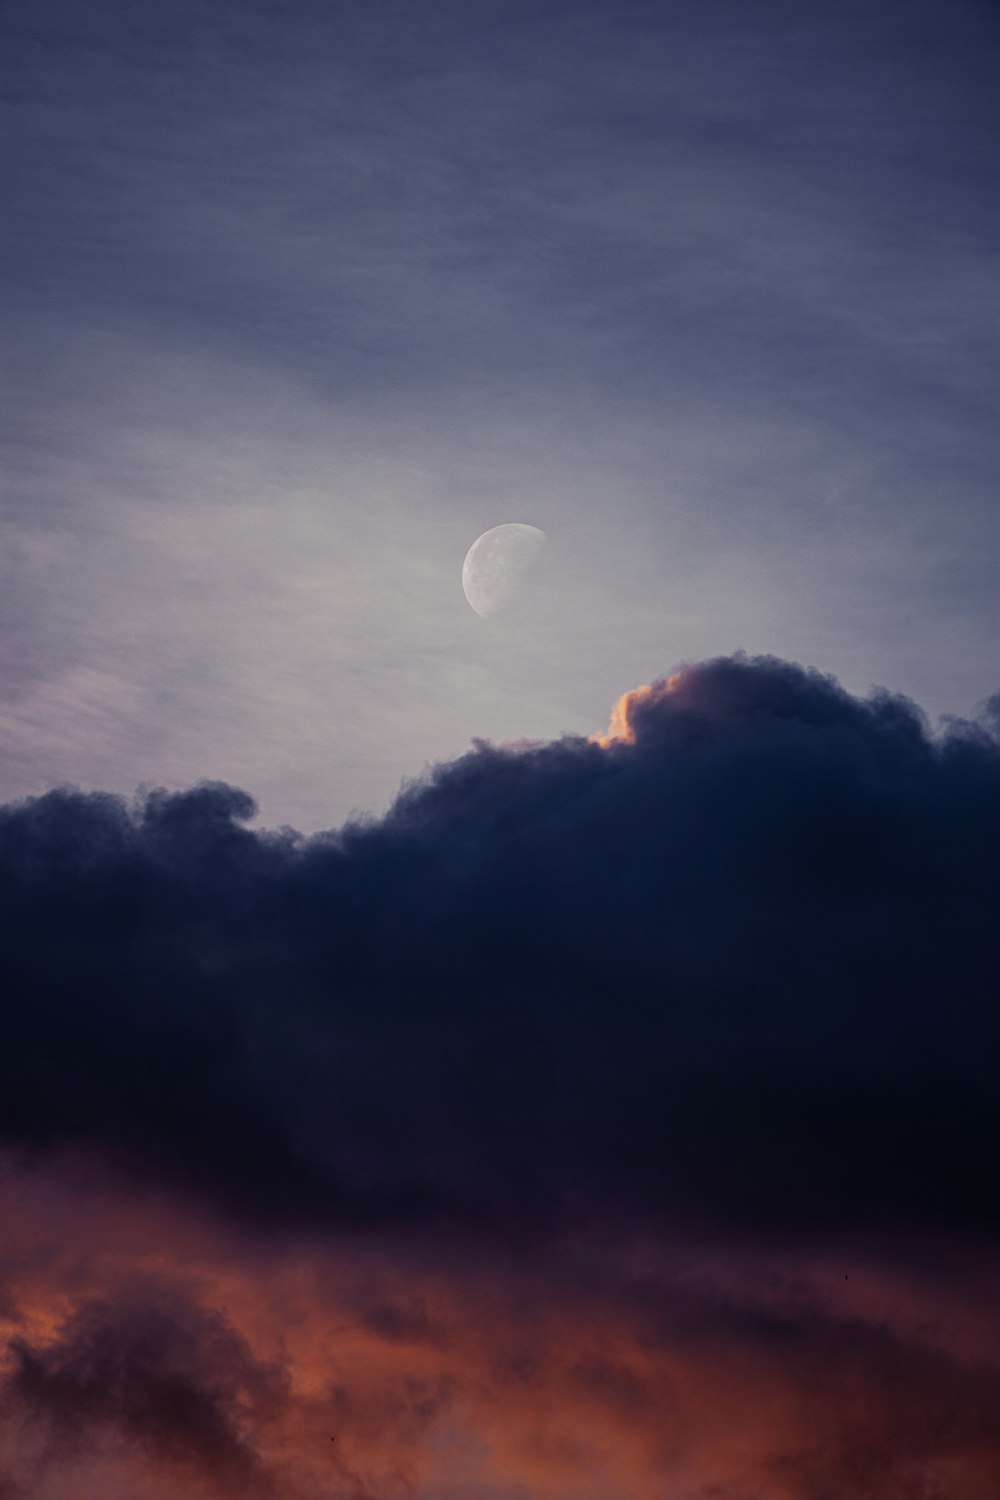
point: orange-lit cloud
(621, 728)
(150, 1350)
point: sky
(548, 1056)
(300, 299)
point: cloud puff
(150, 1366)
(733, 962)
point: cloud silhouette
(733, 963)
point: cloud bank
(614, 1112)
(735, 964)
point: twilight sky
(552, 1054)
(299, 299)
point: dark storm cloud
(150, 1366)
(741, 963)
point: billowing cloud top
(734, 961)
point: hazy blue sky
(300, 298)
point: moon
(496, 563)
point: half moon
(496, 563)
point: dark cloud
(175, 1380)
(737, 964)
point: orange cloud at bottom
(150, 1351)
